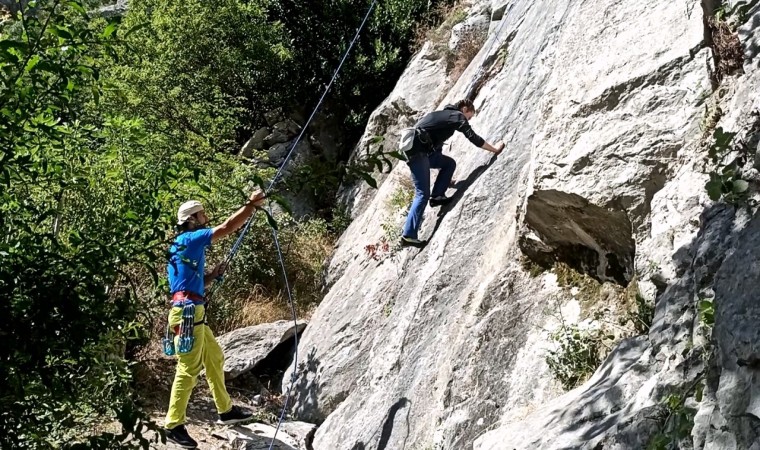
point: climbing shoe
(178, 436)
(439, 200)
(412, 242)
(234, 415)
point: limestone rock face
(604, 109)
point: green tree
(68, 310)
(202, 72)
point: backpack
(406, 140)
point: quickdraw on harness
(184, 332)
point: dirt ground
(154, 375)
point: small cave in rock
(567, 228)
(266, 376)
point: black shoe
(412, 242)
(439, 200)
(178, 436)
(234, 415)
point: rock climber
(427, 153)
(188, 281)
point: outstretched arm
(469, 133)
(238, 218)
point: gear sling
(187, 300)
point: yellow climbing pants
(206, 353)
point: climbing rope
(294, 374)
(236, 246)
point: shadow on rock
(602, 411)
(307, 389)
(385, 437)
(461, 187)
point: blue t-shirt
(187, 261)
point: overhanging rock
(564, 227)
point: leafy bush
(677, 420)
(202, 72)
(69, 313)
(725, 181)
(577, 353)
(642, 315)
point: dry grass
(469, 46)
(727, 47)
(260, 307)
(437, 28)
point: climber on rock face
(187, 281)
(427, 153)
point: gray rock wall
(601, 102)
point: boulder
(274, 116)
(288, 127)
(245, 347)
(473, 28)
(256, 142)
(277, 152)
(301, 432)
(276, 137)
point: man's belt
(179, 297)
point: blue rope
(236, 246)
(294, 374)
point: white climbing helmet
(187, 209)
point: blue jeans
(420, 165)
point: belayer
(426, 152)
(189, 337)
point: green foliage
(736, 13)
(69, 311)
(207, 72)
(577, 353)
(341, 219)
(201, 71)
(401, 199)
(706, 311)
(643, 314)
(373, 158)
(320, 31)
(677, 421)
(725, 181)
(397, 208)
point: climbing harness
(187, 301)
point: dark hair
(185, 227)
(465, 103)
